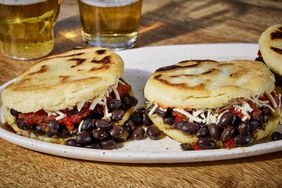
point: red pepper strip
(237, 112)
(122, 89)
(33, 118)
(195, 146)
(178, 116)
(70, 120)
(230, 143)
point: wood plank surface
(164, 22)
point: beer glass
(27, 27)
(110, 23)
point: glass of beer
(27, 27)
(110, 23)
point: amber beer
(110, 23)
(26, 27)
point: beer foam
(108, 3)
(20, 2)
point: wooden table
(164, 22)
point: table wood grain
(164, 22)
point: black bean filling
(230, 126)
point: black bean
(88, 125)
(188, 127)
(254, 124)
(206, 143)
(133, 100)
(242, 140)
(138, 133)
(227, 119)
(114, 104)
(161, 113)
(119, 133)
(137, 118)
(73, 111)
(276, 136)
(116, 131)
(117, 115)
(227, 133)
(14, 112)
(202, 132)
(84, 138)
(39, 130)
(71, 142)
(140, 110)
(244, 128)
(129, 126)
(63, 132)
(22, 125)
(52, 128)
(108, 144)
(103, 124)
(153, 132)
(126, 100)
(97, 113)
(214, 130)
(99, 134)
(146, 120)
(186, 147)
(169, 120)
(266, 111)
(94, 145)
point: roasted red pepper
(195, 146)
(123, 89)
(230, 144)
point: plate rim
(141, 156)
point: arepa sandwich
(210, 104)
(270, 46)
(63, 95)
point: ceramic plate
(139, 64)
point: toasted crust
(270, 44)
(207, 83)
(62, 81)
(181, 137)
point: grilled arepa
(213, 104)
(55, 98)
(270, 45)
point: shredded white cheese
(197, 112)
(268, 106)
(243, 111)
(61, 115)
(153, 109)
(80, 125)
(271, 99)
(119, 81)
(187, 114)
(208, 116)
(220, 115)
(80, 105)
(116, 93)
